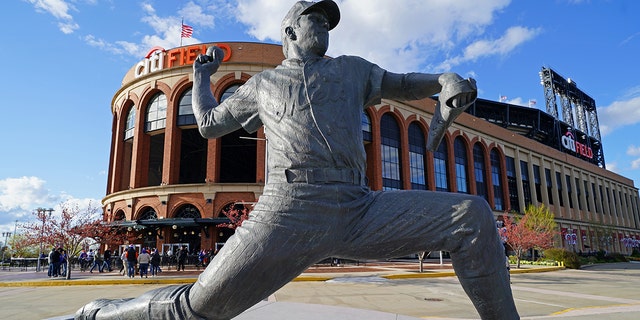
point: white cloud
(22, 193)
(613, 167)
(619, 114)
(59, 9)
(19, 197)
(632, 150)
(502, 46)
(406, 33)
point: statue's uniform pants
(295, 225)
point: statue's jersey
(311, 112)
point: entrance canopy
(179, 222)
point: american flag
(187, 31)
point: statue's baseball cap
(329, 7)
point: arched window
(478, 169)
(417, 151)
(156, 113)
(119, 216)
(148, 214)
(131, 123)
(188, 212)
(390, 138)
(366, 127)
(229, 91)
(460, 154)
(496, 179)
(238, 161)
(185, 111)
(441, 167)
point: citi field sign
(570, 143)
(158, 59)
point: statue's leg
(270, 249)
(399, 223)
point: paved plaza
(606, 291)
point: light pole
(4, 249)
(42, 215)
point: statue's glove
(456, 96)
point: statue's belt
(318, 176)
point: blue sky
(63, 60)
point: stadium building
(168, 186)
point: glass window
(569, 191)
(390, 138)
(538, 182)
(526, 185)
(496, 178)
(185, 111)
(417, 149)
(156, 113)
(559, 187)
(131, 123)
(441, 167)
(148, 214)
(595, 198)
(460, 153)
(578, 193)
(512, 184)
(229, 91)
(547, 175)
(478, 169)
(366, 127)
(188, 212)
(238, 160)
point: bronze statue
(316, 203)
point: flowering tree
(535, 229)
(73, 229)
(237, 213)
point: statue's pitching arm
(456, 95)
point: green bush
(569, 259)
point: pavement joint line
(568, 310)
(182, 280)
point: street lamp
(5, 235)
(42, 215)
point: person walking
(182, 257)
(97, 260)
(123, 260)
(54, 262)
(155, 262)
(143, 261)
(82, 259)
(132, 260)
(106, 264)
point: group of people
(57, 262)
(145, 261)
(95, 260)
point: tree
(73, 229)
(237, 213)
(535, 229)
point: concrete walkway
(386, 293)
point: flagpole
(181, 25)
